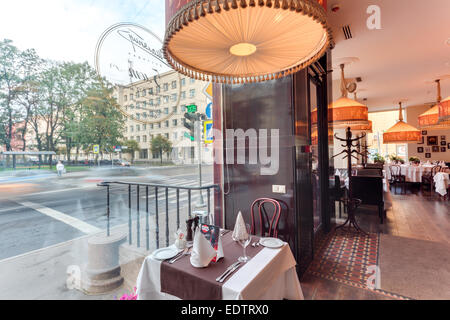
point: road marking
(73, 222)
(57, 191)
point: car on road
(122, 163)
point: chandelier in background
(402, 132)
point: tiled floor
(418, 215)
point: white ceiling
(397, 61)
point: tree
(132, 147)
(160, 145)
(103, 121)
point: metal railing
(148, 187)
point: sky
(68, 30)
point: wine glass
(244, 241)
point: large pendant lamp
(402, 132)
(430, 119)
(239, 41)
(444, 112)
(345, 112)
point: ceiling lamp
(364, 127)
(315, 137)
(444, 113)
(402, 132)
(239, 41)
(430, 119)
(345, 112)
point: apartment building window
(175, 136)
(158, 90)
(131, 138)
(151, 102)
(144, 127)
(174, 97)
(151, 126)
(174, 122)
(144, 115)
(144, 104)
(131, 106)
(166, 86)
(166, 99)
(131, 97)
(175, 109)
(138, 116)
(183, 82)
(166, 110)
(144, 93)
(125, 98)
(138, 139)
(183, 95)
(167, 123)
(167, 135)
(144, 138)
(191, 80)
(174, 84)
(131, 129)
(137, 94)
(192, 93)
(158, 101)
(138, 128)
(138, 105)
(159, 125)
(183, 108)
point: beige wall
(412, 119)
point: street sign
(118, 149)
(208, 91)
(192, 108)
(208, 132)
(96, 149)
(208, 111)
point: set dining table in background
(412, 173)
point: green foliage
(414, 159)
(396, 158)
(378, 158)
(160, 145)
(132, 147)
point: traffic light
(189, 122)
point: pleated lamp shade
(402, 132)
(444, 113)
(315, 137)
(239, 41)
(364, 127)
(430, 119)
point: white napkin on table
(240, 231)
(337, 173)
(202, 251)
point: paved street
(44, 210)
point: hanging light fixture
(345, 112)
(315, 136)
(444, 113)
(239, 41)
(430, 119)
(402, 132)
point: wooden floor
(417, 215)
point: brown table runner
(186, 282)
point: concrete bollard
(102, 273)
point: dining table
(270, 274)
(412, 173)
(441, 183)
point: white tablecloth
(270, 275)
(442, 181)
(412, 173)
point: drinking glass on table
(244, 241)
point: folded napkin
(202, 251)
(337, 173)
(240, 231)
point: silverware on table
(185, 252)
(227, 270)
(230, 272)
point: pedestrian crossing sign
(96, 149)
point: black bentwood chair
(397, 178)
(428, 178)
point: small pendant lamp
(430, 119)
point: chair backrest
(435, 170)
(374, 166)
(268, 227)
(370, 172)
(395, 170)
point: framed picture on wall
(428, 155)
(443, 143)
(442, 137)
(448, 146)
(436, 149)
(432, 140)
(422, 140)
(424, 132)
(420, 150)
(443, 149)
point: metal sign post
(198, 133)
